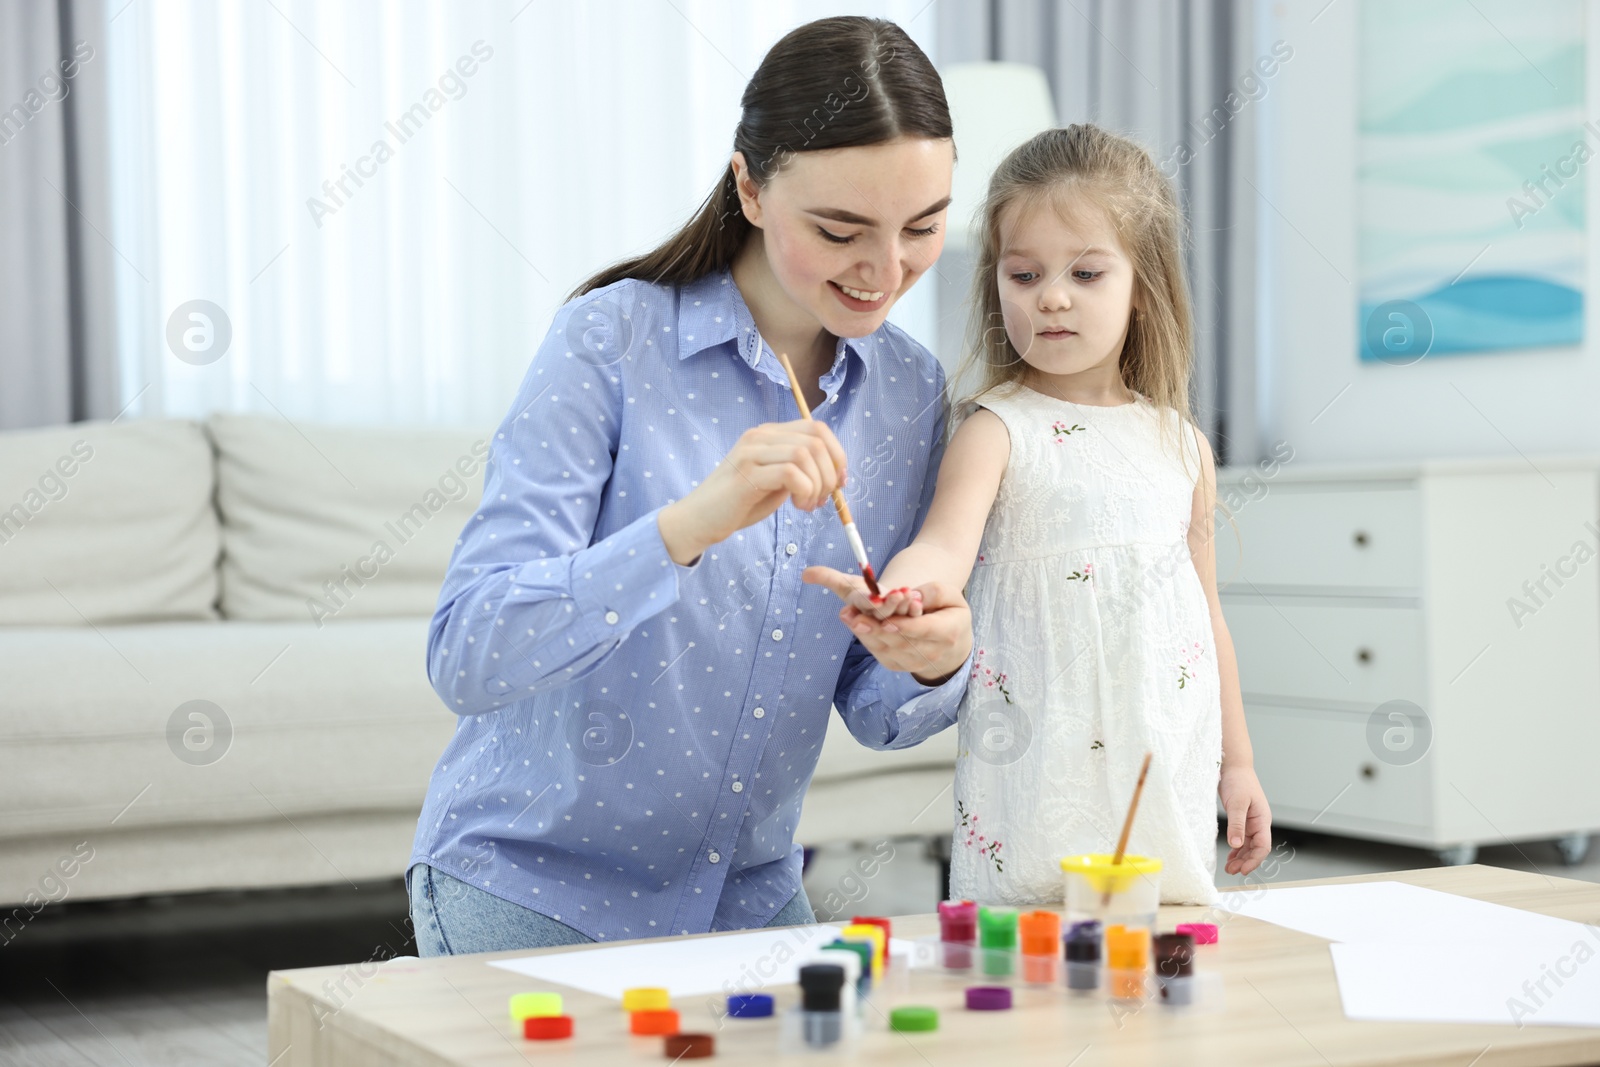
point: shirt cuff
(902, 693)
(914, 712)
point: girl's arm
(1249, 817)
(947, 545)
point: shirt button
(738, 787)
(611, 618)
(759, 712)
(715, 857)
(777, 635)
(791, 548)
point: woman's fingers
(791, 454)
(805, 451)
(837, 582)
(831, 444)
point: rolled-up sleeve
(886, 709)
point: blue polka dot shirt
(636, 736)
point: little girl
(1077, 494)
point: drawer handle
(1360, 538)
(1368, 771)
(1363, 655)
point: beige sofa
(212, 641)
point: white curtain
(583, 132)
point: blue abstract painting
(1472, 151)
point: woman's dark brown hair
(833, 83)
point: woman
(643, 678)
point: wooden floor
(174, 982)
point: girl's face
(849, 230)
(1066, 288)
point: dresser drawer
(1326, 651)
(1310, 537)
(1320, 771)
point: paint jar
(863, 953)
(1117, 894)
(997, 941)
(1081, 955)
(1177, 984)
(1127, 961)
(1040, 935)
(849, 998)
(820, 1023)
(873, 936)
(958, 934)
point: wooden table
(1281, 1007)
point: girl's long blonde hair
(1077, 164)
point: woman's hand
(931, 641)
(1249, 819)
(769, 464)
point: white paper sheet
(1550, 982)
(1389, 912)
(734, 963)
(1408, 954)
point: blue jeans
(451, 917)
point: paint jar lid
(1174, 955)
(1203, 933)
(819, 985)
(750, 1005)
(546, 1027)
(653, 1022)
(914, 1017)
(958, 920)
(1127, 949)
(988, 998)
(874, 920)
(645, 998)
(689, 1046)
(958, 909)
(524, 1005)
(1083, 943)
(862, 949)
(997, 927)
(1041, 932)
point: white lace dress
(1094, 645)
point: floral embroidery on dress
(991, 680)
(1061, 430)
(988, 848)
(1082, 575)
(1190, 657)
(1097, 746)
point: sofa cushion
(101, 732)
(105, 522)
(322, 522)
(844, 757)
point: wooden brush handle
(1127, 824)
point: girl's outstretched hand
(930, 638)
(1249, 819)
(902, 601)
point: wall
(1314, 391)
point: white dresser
(1394, 687)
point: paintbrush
(1127, 824)
(850, 531)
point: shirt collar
(712, 311)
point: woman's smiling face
(849, 230)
